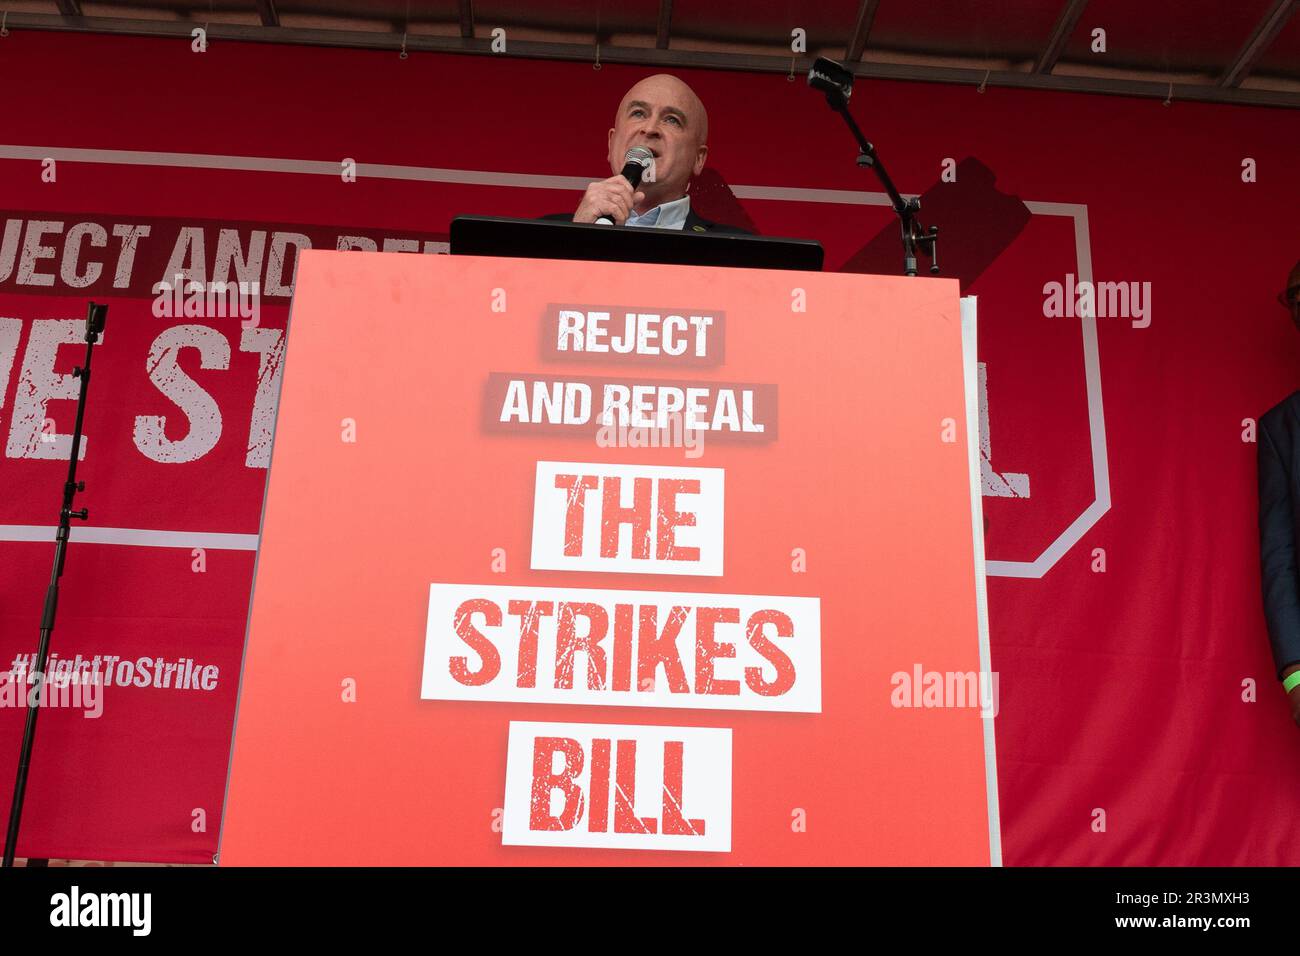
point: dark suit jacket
(693, 223)
(1279, 507)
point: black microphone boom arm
(837, 83)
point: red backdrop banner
(1139, 719)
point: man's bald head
(664, 115)
(668, 88)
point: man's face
(662, 114)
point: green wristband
(1292, 682)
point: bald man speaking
(662, 114)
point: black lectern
(549, 239)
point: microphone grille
(639, 154)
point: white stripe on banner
(187, 540)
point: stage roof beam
(1155, 87)
(1065, 25)
(466, 18)
(1259, 41)
(266, 10)
(665, 24)
(69, 8)
(861, 30)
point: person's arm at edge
(1279, 576)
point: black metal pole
(95, 317)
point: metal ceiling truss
(1061, 33)
(266, 10)
(1226, 90)
(1264, 34)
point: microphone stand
(95, 318)
(837, 83)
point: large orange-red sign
(594, 563)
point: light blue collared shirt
(669, 215)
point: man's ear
(700, 157)
(609, 151)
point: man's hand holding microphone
(612, 201)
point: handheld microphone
(635, 162)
